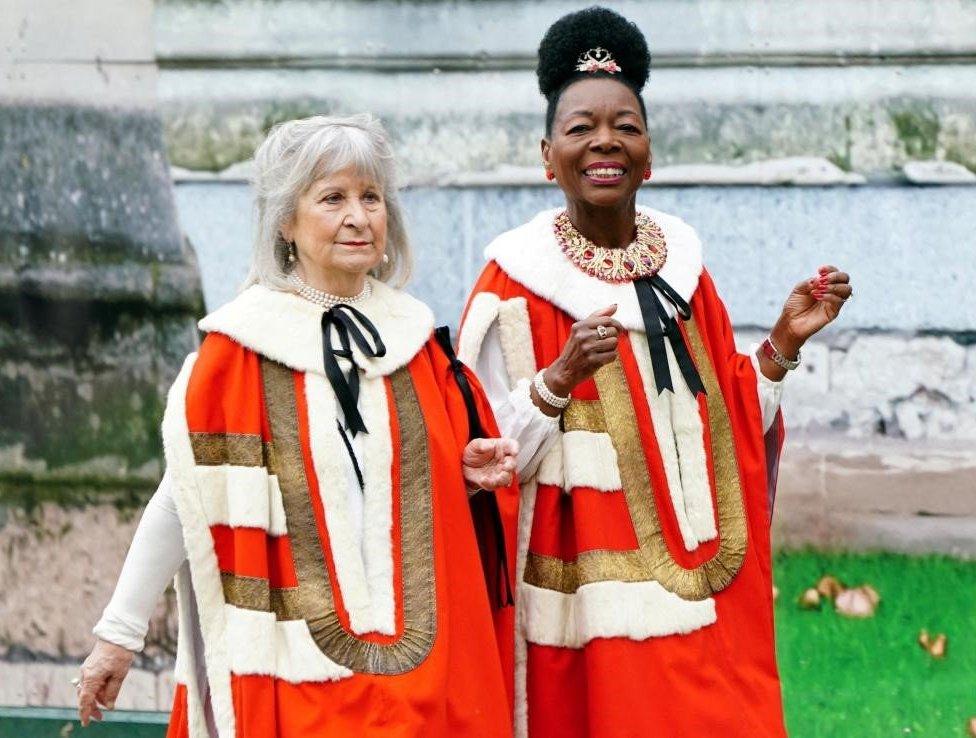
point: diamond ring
(601, 331)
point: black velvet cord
(346, 387)
(485, 514)
(658, 325)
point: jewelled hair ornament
(597, 60)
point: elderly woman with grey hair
(324, 449)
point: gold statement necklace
(643, 258)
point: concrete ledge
(41, 684)
(877, 495)
(692, 31)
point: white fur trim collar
(529, 254)
(287, 328)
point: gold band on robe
(313, 600)
(652, 561)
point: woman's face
(339, 225)
(599, 146)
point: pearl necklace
(324, 299)
(642, 258)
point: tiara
(597, 60)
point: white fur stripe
(205, 576)
(530, 255)
(287, 328)
(515, 335)
(378, 505)
(689, 436)
(590, 460)
(261, 645)
(635, 610)
(481, 314)
(526, 512)
(186, 670)
(278, 525)
(551, 467)
(680, 438)
(327, 451)
(242, 496)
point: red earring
(647, 173)
(550, 175)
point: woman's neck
(340, 284)
(610, 227)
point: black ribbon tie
(485, 514)
(658, 325)
(346, 321)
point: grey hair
(298, 153)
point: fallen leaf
(809, 600)
(855, 603)
(829, 586)
(872, 593)
(938, 648)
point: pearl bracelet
(546, 394)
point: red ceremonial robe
(644, 584)
(290, 625)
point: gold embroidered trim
(653, 561)
(584, 415)
(255, 593)
(314, 601)
(239, 449)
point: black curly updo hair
(572, 36)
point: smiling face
(599, 146)
(339, 227)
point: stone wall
(99, 292)
(868, 86)
(790, 133)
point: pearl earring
(386, 258)
(292, 252)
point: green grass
(869, 678)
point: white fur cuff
(590, 460)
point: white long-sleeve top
(519, 418)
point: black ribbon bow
(346, 387)
(658, 325)
(485, 515)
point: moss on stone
(27, 493)
(917, 129)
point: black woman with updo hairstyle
(649, 444)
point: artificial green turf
(846, 678)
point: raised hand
(816, 302)
(812, 304)
(592, 343)
(489, 463)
